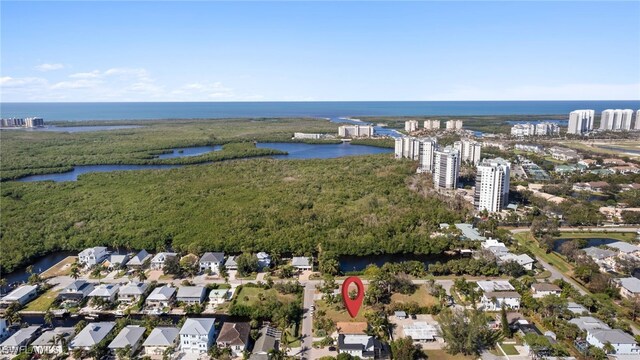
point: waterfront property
(21, 295)
(130, 336)
(355, 131)
(161, 297)
(91, 335)
(51, 341)
(234, 336)
(218, 296)
(139, 259)
(196, 335)
(211, 261)
(106, 292)
(92, 256)
(19, 340)
(115, 261)
(301, 263)
(132, 292)
(76, 291)
(161, 339)
(191, 294)
(4, 329)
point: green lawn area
(527, 240)
(628, 237)
(509, 349)
(340, 315)
(421, 296)
(43, 302)
(443, 355)
(293, 341)
(250, 295)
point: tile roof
(236, 334)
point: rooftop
(598, 254)
(613, 336)
(624, 247)
(50, 336)
(199, 326)
(129, 335)
(162, 336)
(217, 257)
(134, 289)
(588, 322)
(495, 285)
(191, 291)
(545, 287)
(19, 293)
(469, 232)
(92, 334)
(632, 284)
(161, 293)
(234, 333)
(300, 261)
(22, 335)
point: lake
(39, 265)
(350, 263)
(294, 150)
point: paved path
(307, 319)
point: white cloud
(49, 67)
(86, 75)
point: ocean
(329, 109)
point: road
(585, 229)
(307, 319)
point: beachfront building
(33, 122)
(637, 127)
(470, 150)
(196, 335)
(617, 119)
(410, 125)
(354, 131)
(454, 125)
(492, 185)
(446, 166)
(432, 124)
(580, 122)
(92, 256)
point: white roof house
(91, 335)
(160, 339)
(48, 342)
(623, 343)
(191, 294)
(162, 294)
(576, 308)
(92, 256)
(301, 263)
(629, 287)
(132, 291)
(585, 323)
(130, 335)
(139, 259)
(117, 260)
(77, 290)
(211, 261)
(523, 260)
(624, 247)
(218, 296)
(157, 262)
(231, 263)
(21, 295)
(495, 285)
(196, 335)
(105, 291)
(420, 331)
(21, 338)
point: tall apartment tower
(355, 131)
(492, 185)
(637, 120)
(446, 166)
(432, 124)
(617, 119)
(454, 124)
(428, 147)
(411, 125)
(407, 147)
(469, 150)
(580, 121)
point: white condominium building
(411, 125)
(617, 119)
(547, 129)
(637, 120)
(469, 150)
(492, 185)
(526, 129)
(355, 131)
(428, 147)
(446, 166)
(407, 147)
(454, 124)
(432, 124)
(580, 121)
(540, 129)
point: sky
(318, 51)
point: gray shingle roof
(105, 290)
(139, 258)
(162, 336)
(212, 257)
(21, 337)
(231, 261)
(92, 334)
(162, 293)
(190, 292)
(624, 247)
(588, 323)
(269, 339)
(613, 336)
(469, 232)
(598, 254)
(129, 335)
(631, 284)
(134, 289)
(76, 286)
(47, 338)
(199, 326)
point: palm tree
(75, 271)
(48, 318)
(3, 283)
(97, 272)
(140, 274)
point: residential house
(576, 308)
(218, 296)
(157, 263)
(614, 161)
(301, 263)
(420, 331)
(264, 260)
(139, 259)
(269, 339)
(523, 260)
(19, 340)
(132, 292)
(116, 261)
(234, 336)
(191, 294)
(469, 232)
(588, 162)
(629, 287)
(52, 342)
(92, 256)
(4, 329)
(623, 343)
(541, 290)
(196, 335)
(91, 335)
(563, 154)
(497, 293)
(603, 257)
(107, 292)
(628, 187)
(21, 295)
(625, 248)
(565, 169)
(594, 186)
(130, 335)
(626, 169)
(353, 340)
(76, 291)
(496, 247)
(586, 323)
(161, 339)
(231, 263)
(211, 261)
(161, 297)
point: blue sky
(292, 51)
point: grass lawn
(443, 355)
(43, 302)
(340, 315)
(628, 236)
(166, 277)
(59, 269)
(543, 275)
(527, 240)
(421, 296)
(509, 349)
(250, 295)
(293, 341)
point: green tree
(48, 318)
(404, 349)
(504, 322)
(247, 264)
(466, 332)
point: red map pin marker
(353, 306)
